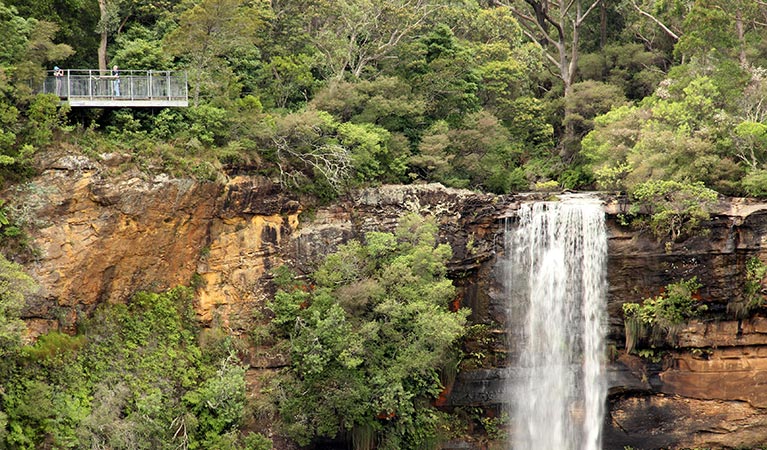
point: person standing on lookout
(116, 81)
(59, 76)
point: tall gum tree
(353, 35)
(109, 19)
(209, 30)
(556, 26)
(698, 26)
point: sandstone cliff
(99, 238)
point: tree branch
(588, 11)
(655, 19)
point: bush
(661, 316)
(755, 183)
(367, 343)
(135, 377)
(752, 298)
(672, 208)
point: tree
(75, 19)
(368, 341)
(307, 153)
(664, 15)
(207, 31)
(27, 45)
(353, 35)
(681, 134)
(698, 27)
(556, 26)
(109, 20)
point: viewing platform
(132, 89)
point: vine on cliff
(752, 297)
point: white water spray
(556, 289)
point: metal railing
(90, 84)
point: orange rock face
(100, 241)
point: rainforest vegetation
(661, 99)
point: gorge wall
(100, 232)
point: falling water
(556, 289)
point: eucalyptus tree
(209, 30)
(556, 25)
(698, 27)
(353, 35)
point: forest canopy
(325, 96)
(665, 100)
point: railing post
(90, 84)
(167, 78)
(149, 81)
(69, 85)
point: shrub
(368, 342)
(752, 297)
(755, 183)
(672, 208)
(659, 317)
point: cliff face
(100, 238)
(99, 235)
(709, 390)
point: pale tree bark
(102, 51)
(556, 26)
(743, 13)
(666, 29)
(356, 34)
(739, 28)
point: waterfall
(555, 281)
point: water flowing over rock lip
(517, 199)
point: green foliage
(15, 287)
(496, 428)
(209, 30)
(755, 183)
(683, 133)
(207, 124)
(588, 100)
(287, 80)
(136, 377)
(752, 298)
(141, 54)
(672, 209)
(628, 65)
(708, 28)
(368, 342)
(659, 317)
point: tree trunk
(556, 26)
(741, 38)
(102, 52)
(568, 146)
(602, 25)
